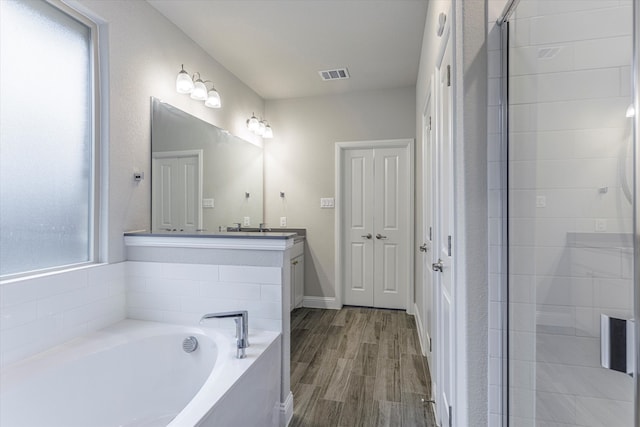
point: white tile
(16, 315)
(197, 272)
(495, 344)
(243, 291)
(564, 86)
(604, 412)
(548, 58)
(603, 52)
(271, 293)
(151, 315)
(154, 301)
(522, 317)
(555, 407)
(577, 351)
(594, 24)
(175, 287)
(145, 269)
(614, 293)
(494, 60)
(596, 262)
(522, 288)
(247, 274)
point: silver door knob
(437, 266)
(380, 236)
(423, 248)
(367, 236)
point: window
(47, 137)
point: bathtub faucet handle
(241, 317)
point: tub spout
(241, 318)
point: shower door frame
(503, 23)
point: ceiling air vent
(337, 74)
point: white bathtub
(136, 373)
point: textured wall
(145, 51)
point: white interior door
(443, 235)
(358, 219)
(376, 231)
(177, 191)
(428, 205)
(391, 272)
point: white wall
(299, 161)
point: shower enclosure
(572, 260)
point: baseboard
(286, 411)
(321, 302)
(421, 335)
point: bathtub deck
(358, 367)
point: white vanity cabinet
(297, 274)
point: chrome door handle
(367, 236)
(423, 248)
(437, 266)
(380, 236)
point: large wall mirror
(202, 177)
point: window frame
(94, 198)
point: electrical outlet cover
(283, 221)
(247, 221)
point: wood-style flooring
(358, 367)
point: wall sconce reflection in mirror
(259, 127)
(197, 88)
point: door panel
(443, 233)
(358, 201)
(391, 194)
(176, 192)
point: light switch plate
(208, 203)
(327, 202)
(246, 222)
(283, 221)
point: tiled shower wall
(570, 256)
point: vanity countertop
(219, 235)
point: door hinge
(430, 347)
(429, 122)
(449, 242)
(450, 416)
(448, 75)
(430, 231)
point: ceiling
(277, 47)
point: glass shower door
(570, 209)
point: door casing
(340, 148)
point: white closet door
(359, 228)
(391, 274)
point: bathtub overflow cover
(190, 344)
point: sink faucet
(263, 227)
(237, 226)
(241, 318)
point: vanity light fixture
(184, 83)
(253, 124)
(197, 89)
(213, 98)
(259, 127)
(268, 132)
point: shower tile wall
(41, 312)
(570, 220)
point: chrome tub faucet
(241, 317)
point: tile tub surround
(177, 278)
(40, 312)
